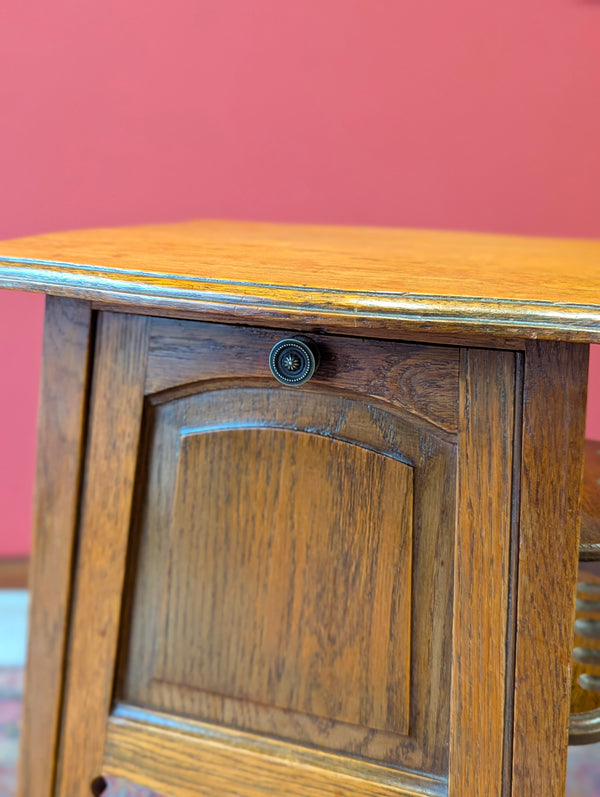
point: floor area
(583, 768)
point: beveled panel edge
(419, 377)
(286, 760)
(208, 702)
(359, 310)
(210, 385)
(441, 446)
(229, 426)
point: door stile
(554, 402)
(68, 332)
(112, 452)
(482, 572)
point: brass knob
(294, 360)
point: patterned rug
(583, 779)
(11, 684)
(11, 687)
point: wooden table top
(506, 285)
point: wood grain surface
(503, 285)
(60, 449)
(554, 396)
(242, 404)
(481, 583)
(589, 548)
(289, 576)
(116, 408)
(425, 581)
(239, 398)
(420, 379)
(183, 758)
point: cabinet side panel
(553, 437)
(67, 329)
(482, 558)
(116, 410)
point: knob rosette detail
(293, 361)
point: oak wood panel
(376, 283)
(378, 427)
(61, 431)
(554, 397)
(421, 379)
(481, 582)
(166, 755)
(496, 284)
(116, 407)
(589, 548)
(289, 576)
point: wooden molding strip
(252, 301)
(361, 277)
(173, 755)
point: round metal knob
(294, 360)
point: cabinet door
(270, 596)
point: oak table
(307, 509)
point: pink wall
(462, 115)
